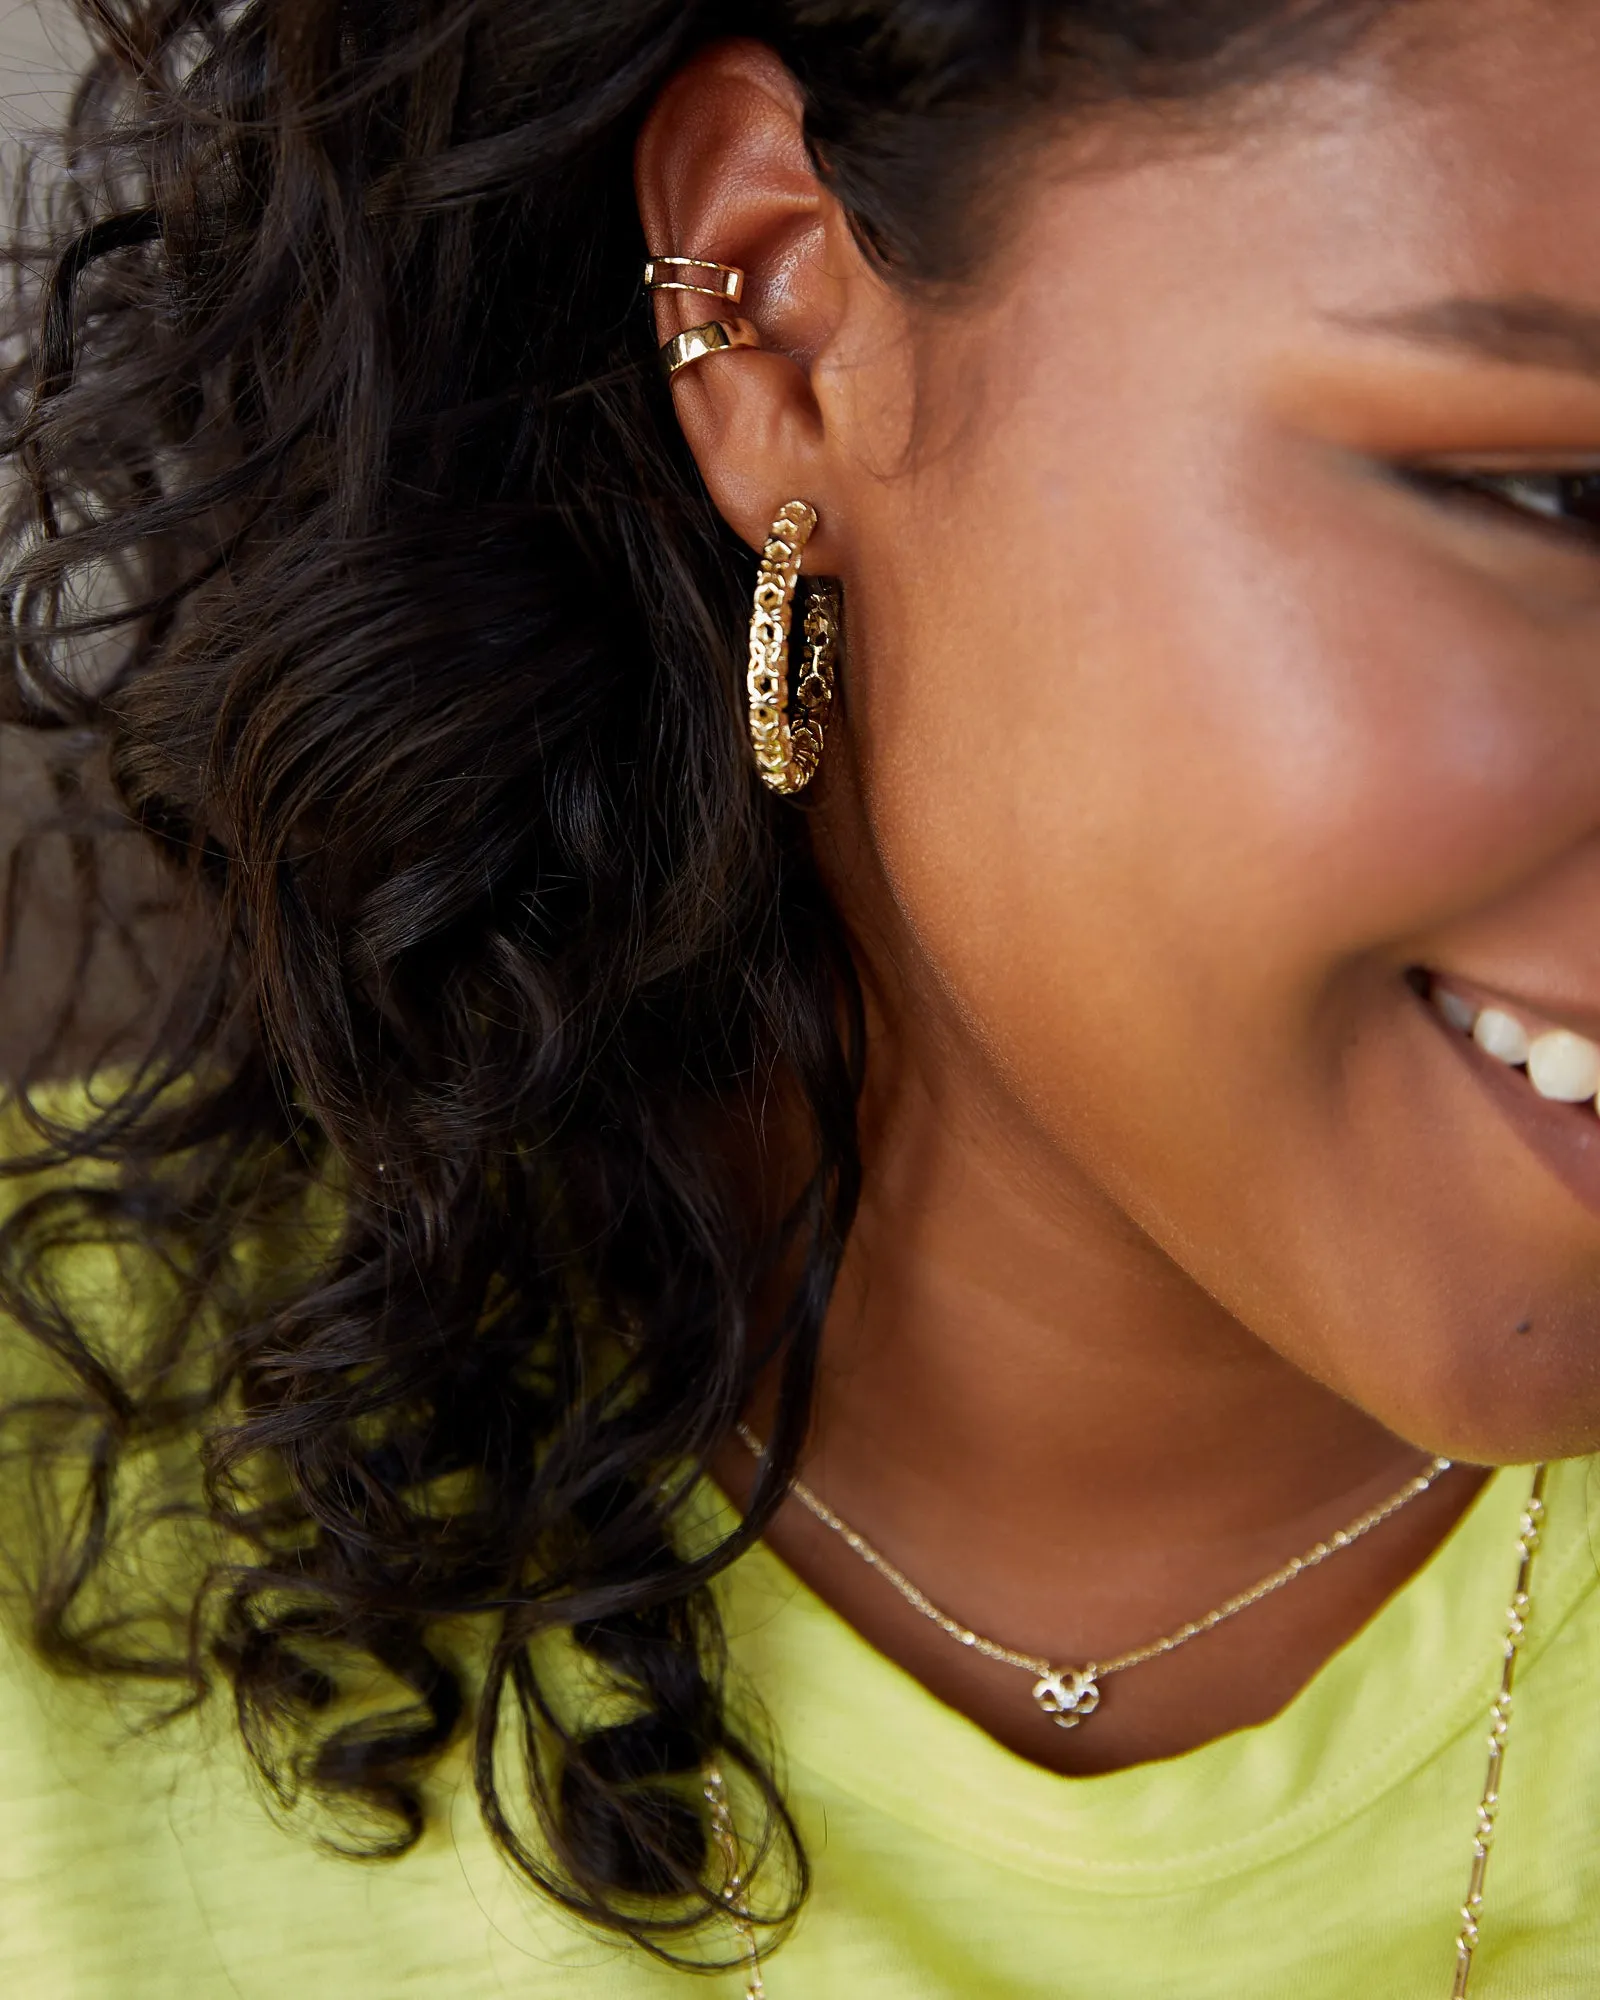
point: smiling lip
(1565, 1136)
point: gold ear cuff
(726, 281)
(715, 336)
(789, 749)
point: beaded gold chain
(1529, 1531)
(1529, 1534)
(733, 1892)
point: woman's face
(1193, 735)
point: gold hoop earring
(788, 751)
(726, 281)
(717, 336)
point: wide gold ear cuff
(715, 337)
(789, 749)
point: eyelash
(1563, 503)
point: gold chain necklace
(1529, 1533)
(1070, 1695)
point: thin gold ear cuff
(717, 336)
(726, 281)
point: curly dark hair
(502, 1128)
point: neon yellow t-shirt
(1320, 1856)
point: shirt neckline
(1415, 1678)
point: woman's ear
(722, 172)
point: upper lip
(1580, 1019)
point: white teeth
(1564, 1067)
(1502, 1036)
(1561, 1066)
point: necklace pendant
(1068, 1695)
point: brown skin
(1180, 730)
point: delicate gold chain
(1518, 1613)
(1528, 1538)
(1529, 1535)
(1077, 1686)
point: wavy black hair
(352, 528)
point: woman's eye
(1568, 501)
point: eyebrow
(1527, 331)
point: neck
(1069, 1445)
(1005, 1337)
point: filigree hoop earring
(788, 748)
